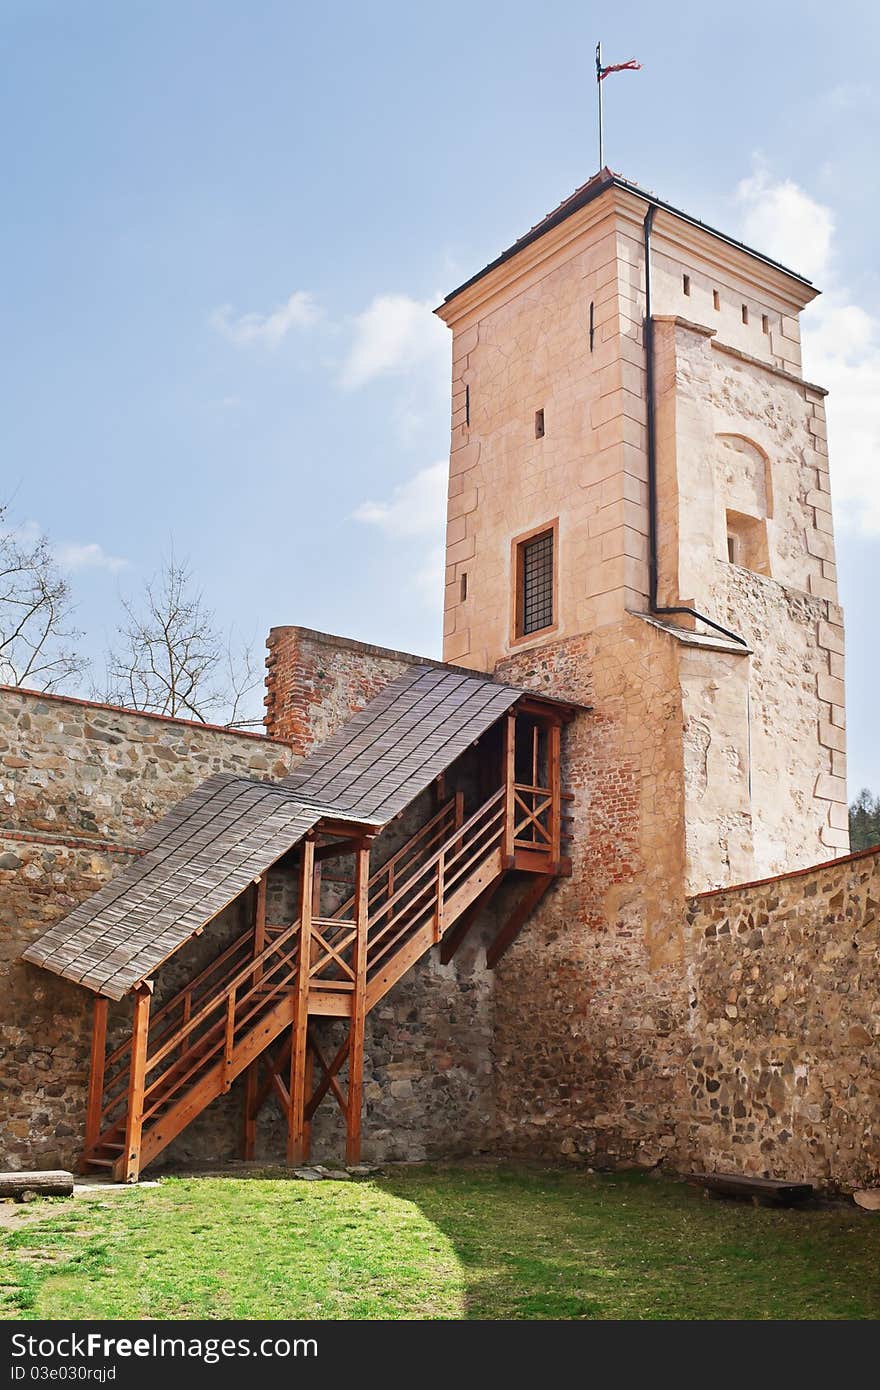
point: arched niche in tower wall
(744, 487)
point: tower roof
(587, 193)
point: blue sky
(225, 225)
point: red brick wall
(316, 681)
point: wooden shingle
(207, 849)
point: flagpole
(601, 123)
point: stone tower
(639, 519)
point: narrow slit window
(467, 405)
(535, 584)
(464, 586)
(765, 323)
(745, 313)
(592, 324)
(731, 548)
(539, 424)
(686, 284)
(716, 299)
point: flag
(631, 66)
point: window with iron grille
(535, 583)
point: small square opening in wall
(686, 284)
(539, 424)
(716, 299)
(745, 313)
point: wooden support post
(229, 1038)
(299, 1032)
(260, 922)
(249, 1125)
(438, 904)
(358, 1011)
(458, 817)
(509, 782)
(316, 891)
(96, 1072)
(134, 1114)
(309, 1086)
(554, 782)
(518, 917)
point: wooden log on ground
(45, 1184)
(777, 1191)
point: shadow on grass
(535, 1243)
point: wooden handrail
(218, 999)
(173, 1038)
(217, 1030)
(405, 850)
(422, 891)
(460, 833)
(181, 994)
(411, 915)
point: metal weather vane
(601, 73)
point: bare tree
(36, 638)
(171, 658)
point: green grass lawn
(435, 1243)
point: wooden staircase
(224, 1023)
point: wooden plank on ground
(774, 1191)
(54, 1183)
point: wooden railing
(173, 1014)
(407, 859)
(253, 989)
(428, 889)
(533, 812)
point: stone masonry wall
(783, 1023)
(742, 451)
(78, 782)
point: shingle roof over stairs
(196, 860)
(383, 757)
(213, 843)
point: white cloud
(417, 509)
(70, 555)
(75, 555)
(785, 222)
(301, 310)
(841, 341)
(395, 334)
(850, 96)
